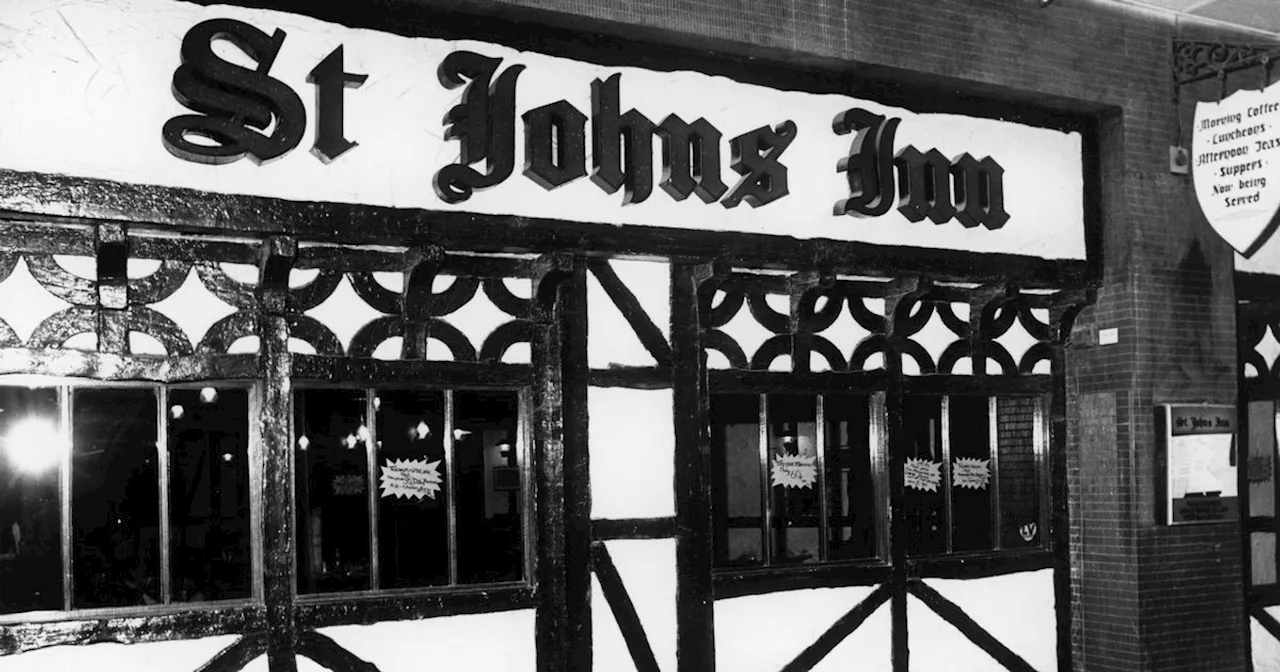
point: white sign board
(1235, 165)
(90, 85)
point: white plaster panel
(1266, 648)
(632, 453)
(1017, 609)
(496, 641)
(765, 632)
(94, 79)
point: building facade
(674, 336)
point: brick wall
(1144, 596)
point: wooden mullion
(331, 654)
(842, 628)
(953, 614)
(649, 334)
(237, 655)
(275, 417)
(691, 289)
(624, 612)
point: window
(797, 478)
(429, 493)
(803, 478)
(123, 496)
(975, 473)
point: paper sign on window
(971, 472)
(795, 471)
(411, 479)
(922, 474)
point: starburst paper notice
(410, 479)
(922, 474)
(795, 471)
(971, 472)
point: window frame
(66, 386)
(368, 386)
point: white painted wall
(1266, 648)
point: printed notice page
(411, 479)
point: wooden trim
(1264, 596)
(695, 612)
(1267, 621)
(58, 198)
(944, 384)
(633, 377)
(653, 339)
(953, 614)
(330, 655)
(624, 612)
(111, 367)
(239, 654)
(368, 608)
(633, 528)
(842, 628)
(377, 372)
(980, 566)
(186, 624)
(731, 583)
(755, 382)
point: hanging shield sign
(1235, 163)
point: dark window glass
(736, 484)
(31, 447)
(331, 463)
(487, 483)
(851, 485)
(1019, 473)
(413, 528)
(115, 510)
(209, 494)
(792, 473)
(969, 420)
(924, 494)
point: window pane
(1264, 558)
(970, 427)
(924, 491)
(792, 469)
(331, 487)
(487, 486)
(736, 473)
(1019, 485)
(1261, 464)
(115, 510)
(31, 447)
(413, 531)
(209, 494)
(851, 492)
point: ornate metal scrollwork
(1194, 61)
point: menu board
(1200, 458)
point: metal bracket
(1195, 61)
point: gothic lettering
(755, 157)
(867, 167)
(979, 189)
(924, 188)
(690, 159)
(231, 100)
(621, 145)
(555, 147)
(330, 81)
(483, 123)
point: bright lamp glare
(32, 444)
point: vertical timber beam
(1063, 311)
(692, 289)
(275, 418)
(561, 467)
(112, 254)
(899, 298)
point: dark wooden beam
(692, 286)
(954, 615)
(633, 377)
(842, 628)
(236, 656)
(190, 624)
(653, 339)
(624, 612)
(1267, 621)
(730, 583)
(365, 610)
(110, 367)
(330, 654)
(633, 528)
(980, 566)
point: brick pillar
(1146, 596)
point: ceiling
(1255, 14)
